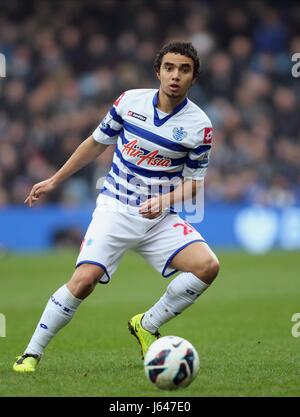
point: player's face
(176, 74)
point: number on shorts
(187, 228)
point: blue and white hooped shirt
(153, 153)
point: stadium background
(63, 74)
(66, 62)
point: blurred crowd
(68, 60)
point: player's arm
(86, 152)
(185, 191)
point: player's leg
(59, 311)
(200, 267)
(84, 280)
(107, 238)
(170, 246)
(199, 259)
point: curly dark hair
(182, 48)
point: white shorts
(112, 232)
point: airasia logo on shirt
(132, 149)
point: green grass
(241, 328)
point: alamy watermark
(2, 66)
(2, 325)
(296, 326)
(296, 67)
(134, 192)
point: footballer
(163, 142)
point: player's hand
(38, 190)
(152, 208)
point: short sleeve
(112, 125)
(197, 159)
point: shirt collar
(157, 120)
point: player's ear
(158, 75)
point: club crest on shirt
(179, 133)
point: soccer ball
(171, 362)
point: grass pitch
(241, 328)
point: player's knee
(84, 280)
(208, 270)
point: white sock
(58, 312)
(181, 293)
